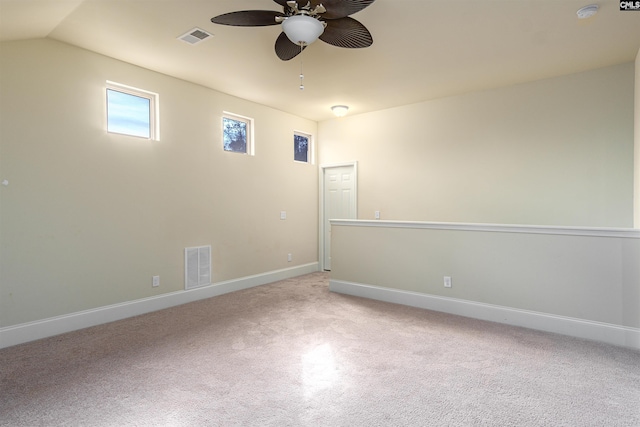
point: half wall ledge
(496, 228)
(580, 282)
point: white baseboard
(579, 328)
(25, 332)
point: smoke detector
(587, 11)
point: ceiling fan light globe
(302, 29)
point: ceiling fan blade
(346, 32)
(248, 18)
(285, 48)
(337, 9)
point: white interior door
(339, 202)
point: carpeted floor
(293, 354)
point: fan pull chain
(301, 78)
(301, 71)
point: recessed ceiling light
(587, 11)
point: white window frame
(310, 150)
(154, 110)
(250, 138)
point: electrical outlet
(155, 281)
(283, 214)
(377, 214)
(447, 281)
(289, 257)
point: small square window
(302, 149)
(237, 134)
(131, 111)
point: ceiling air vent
(195, 36)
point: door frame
(321, 230)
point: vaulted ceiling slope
(422, 49)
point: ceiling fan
(304, 21)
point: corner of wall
(636, 147)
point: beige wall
(551, 152)
(89, 217)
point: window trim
(154, 110)
(250, 135)
(310, 151)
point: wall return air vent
(195, 36)
(197, 267)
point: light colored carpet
(293, 354)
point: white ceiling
(423, 49)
